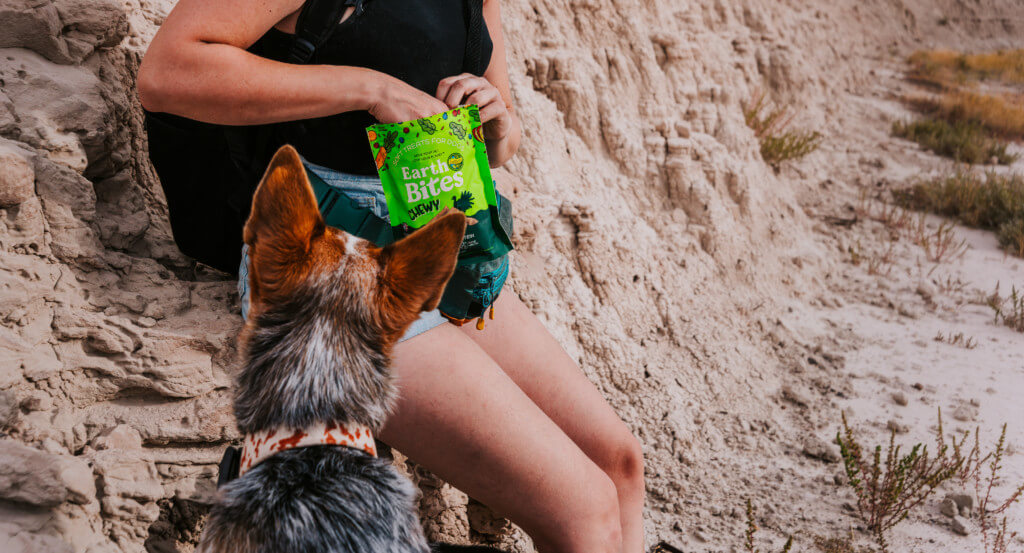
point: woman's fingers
(446, 84)
(459, 88)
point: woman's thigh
(518, 342)
(460, 416)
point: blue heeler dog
(315, 385)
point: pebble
(961, 525)
(897, 427)
(948, 507)
(964, 502)
(820, 449)
(900, 398)
(965, 413)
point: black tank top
(417, 41)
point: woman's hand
(397, 101)
(468, 89)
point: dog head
(326, 307)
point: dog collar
(257, 447)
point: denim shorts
(368, 192)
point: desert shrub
(1000, 114)
(889, 486)
(990, 201)
(771, 127)
(1011, 236)
(945, 66)
(963, 141)
(1009, 310)
(984, 471)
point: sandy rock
(17, 176)
(899, 398)
(65, 31)
(948, 507)
(121, 436)
(896, 426)
(795, 395)
(962, 526)
(32, 476)
(964, 502)
(817, 448)
(965, 413)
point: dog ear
(281, 227)
(416, 268)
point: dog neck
(306, 363)
(260, 445)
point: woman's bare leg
(527, 352)
(460, 416)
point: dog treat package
(428, 164)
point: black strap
(341, 211)
(229, 465)
(474, 36)
(316, 22)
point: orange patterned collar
(265, 443)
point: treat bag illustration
(428, 164)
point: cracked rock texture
(652, 240)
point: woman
(510, 419)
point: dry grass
(748, 541)
(1009, 310)
(991, 201)
(962, 141)
(1000, 114)
(958, 339)
(944, 66)
(771, 127)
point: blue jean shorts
(369, 193)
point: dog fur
(326, 309)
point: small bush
(770, 126)
(1000, 114)
(1008, 310)
(963, 141)
(991, 201)
(887, 489)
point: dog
(315, 386)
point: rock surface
(652, 240)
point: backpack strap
(343, 212)
(316, 22)
(474, 37)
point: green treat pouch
(428, 164)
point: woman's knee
(593, 525)
(623, 461)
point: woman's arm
(197, 67)
(492, 93)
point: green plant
(770, 125)
(962, 140)
(990, 201)
(985, 500)
(1008, 310)
(748, 542)
(888, 488)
